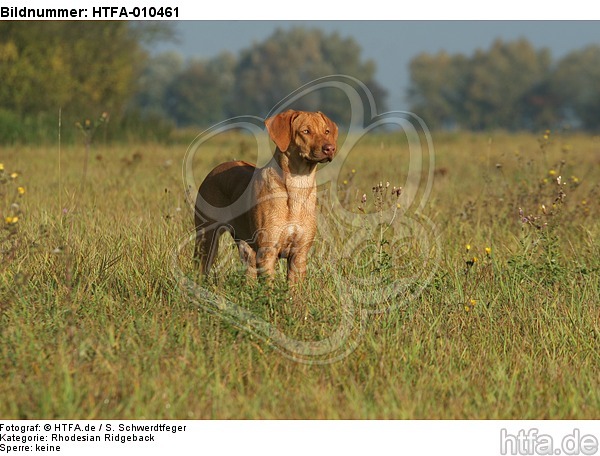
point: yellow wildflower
(14, 175)
(21, 190)
(11, 220)
(468, 247)
(1, 166)
(552, 172)
(488, 251)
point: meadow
(496, 312)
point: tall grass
(40, 129)
(94, 323)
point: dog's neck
(295, 172)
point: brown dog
(269, 211)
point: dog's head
(312, 135)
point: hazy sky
(391, 44)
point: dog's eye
(326, 132)
(305, 132)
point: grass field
(497, 315)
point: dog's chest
(294, 237)
(285, 211)
(292, 199)
(291, 234)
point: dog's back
(224, 184)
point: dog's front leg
(296, 266)
(266, 260)
(248, 257)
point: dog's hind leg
(207, 244)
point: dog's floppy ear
(331, 124)
(280, 128)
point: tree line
(511, 86)
(201, 92)
(86, 69)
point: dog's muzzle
(324, 155)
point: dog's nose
(328, 149)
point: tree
(157, 75)
(499, 82)
(437, 88)
(207, 91)
(576, 81)
(200, 93)
(507, 86)
(79, 66)
(268, 71)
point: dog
(271, 212)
